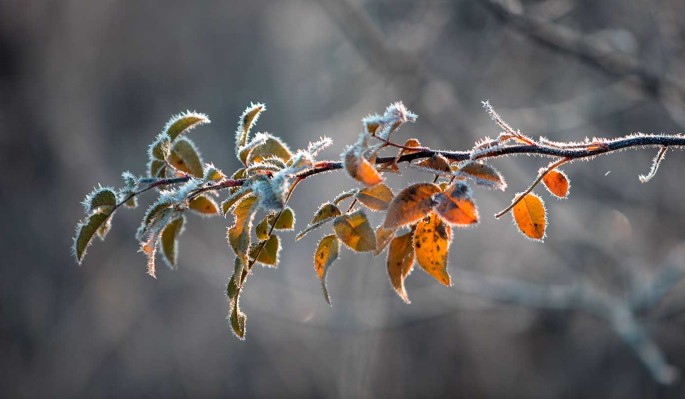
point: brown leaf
(355, 231)
(455, 205)
(530, 217)
(437, 163)
(400, 262)
(360, 169)
(326, 253)
(410, 205)
(376, 198)
(557, 183)
(431, 243)
(483, 174)
(204, 205)
(326, 213)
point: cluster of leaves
(418, 220)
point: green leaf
(355, 231)
(326, 213)
(286, 221)
(157, 168)
(85, 231)
(184, 122)
(186, 158)
(269, 253)
(326, 253)
(102, 197)
(169, 240)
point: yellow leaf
(262, 229)
(182, 123)
(286, 221)
(410, 205)
(355, 231)
(326, 253)
(557, 183)
(455, 205)
(185, 157)
(431, 243)
(360, 169)
(483, 174)
(383, 237)
(530, 217)
(239, 233)
(233, 199)
(326, 213)
(376, 198)
(400, 262)
(272, 147)
(169, 240)
(269, 254)
(437, 163)
(204, 205)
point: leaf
(185, 157)
(326, 253)
(431, 243)
(400, 262)
(105, 227)
(271, 147)
(233, 199)
(233, 290)
(157, 168)
(360, 169)
(155, 211)
(159, 149)
(262, 229)
(383, 237)
(410, 205)
(530, 217)
(556, 183)
(102, 197)
(85, 231)
(149, 248)
(438, 163)
(455, 205)
(238, 322)
(484, 175)
(169, 240)
(184, 122)
(326, 213)
(247, 120)
(410, 143)
(269, 253)
(204, 205)
(239, 233)
(376, 198)
(286, 221)
(355, 231)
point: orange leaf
(557, 183)
(355, 231)
(410, 143)
(400, 262)
(360, 169)
(204, 205)
(530, 217)
(376, 198)
(326, 253)
(383, 237)
(431, 243)
(455, 205)
(410, 205)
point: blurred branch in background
(669, 90)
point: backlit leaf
(383, 237)
(484, 175)
(239, 233)
(269, 253)
(410, 143)
(272, 147)
(360, 169)
(400, 261)
(157, 168)
(326, 213)
(247, 120)
(437, 163)
(85, 232)
(103, 197)
(105, 228)
(455, 205)
(326, 253)
(233, 290)
(169, 240)
(377, 197)
(431, 242)
(557, 183)
(530, 217)
(286, 221)
(185, 157)
(233, 199)
(355, 231)
(204, 205)
(182, 123)
(262, 229)
(410, 205)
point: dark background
(86, 85)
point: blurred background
(86, 85)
